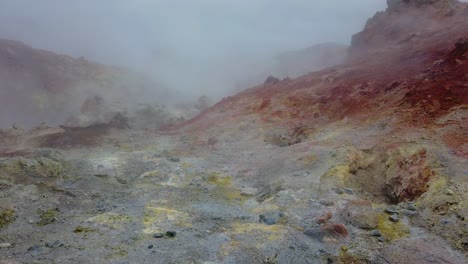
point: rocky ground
(142, 197)
(364, 162)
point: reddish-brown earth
(408, 64)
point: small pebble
(327, 203)
(381, 239)
(171, 233)
(449, 192)
(269, 221)
(344, 248)
(394, 218)
(271, 218)
(444, 221)
(339, 191)
(5, 245)
(375, 233)
(349, 191)
(102, 176)
(34, 248)
(158, 235)
(54, 244)
(173, 159)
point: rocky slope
(396, 112)
(360, 163)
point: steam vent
(334, 153)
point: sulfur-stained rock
(391, 230)
(7, 216)
(47, 216)
(22, 169)
(158, 218)
(449, 192)
(110, 220)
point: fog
(194, 46)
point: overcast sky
(199, 45)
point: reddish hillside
(409, 63)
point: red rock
(337, 231)
(409, 177)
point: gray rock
(5, 245)
(392, 209)
(102, 176)
(248, 191)
(171, 233)
(54, 244)
(349, 191)
(375, 233)
(411, 206)
(338, 190)
(394, 218)
(408, 212)
(272, 218)
(173, 159)
(121, 181)
(34, 248)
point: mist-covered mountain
(295, 63)
(40, 86)
(317, 57)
